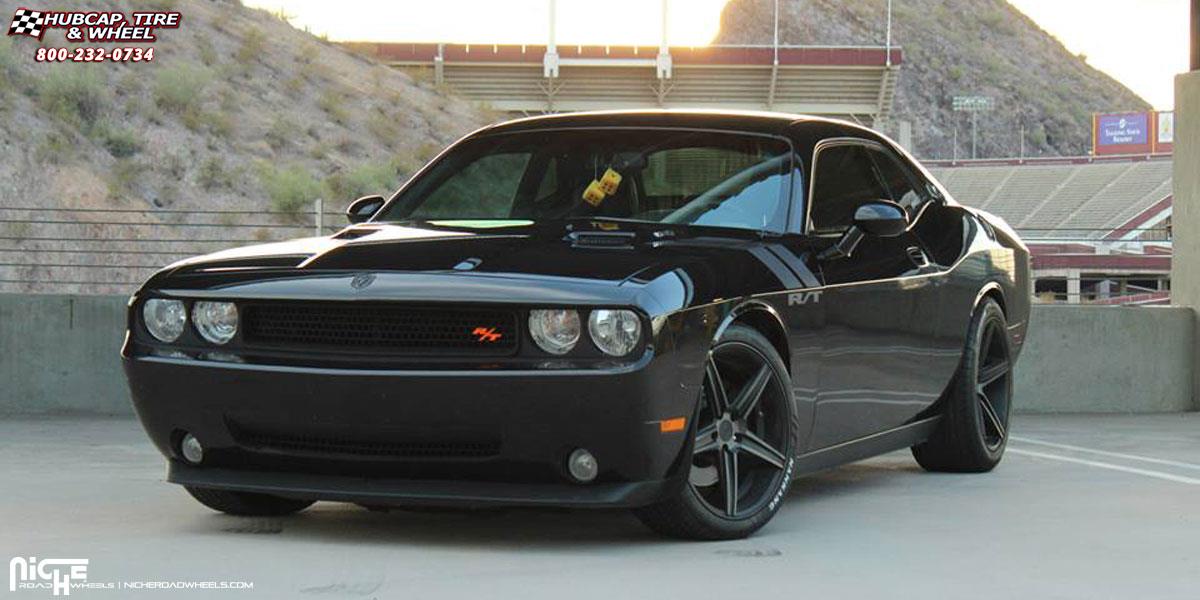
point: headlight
(556, 331)
(217, 322)
(615, 332)
(164, 319)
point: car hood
(663, 267)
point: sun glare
(614, 22)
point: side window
(484, 189)
(844, 178)
(898, 182)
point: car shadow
(567, 530)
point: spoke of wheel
(990, 373)
(716, 397)
(989, 413)
(706, 439)
(986, 343)
(756, 446)
(729, 479)
(747, 399)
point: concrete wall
(1107, 359)
(59, 354)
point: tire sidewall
(748, 524)
(986, 314)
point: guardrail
(112, 251)
(100, 251)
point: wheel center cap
(725, 430)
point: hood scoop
(353, 233)
(250, 263)
(602, 239)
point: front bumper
(420, 437)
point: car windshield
(654, 175)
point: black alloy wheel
(740, 451)
(742, 445)
(993, 385)
(973, 432)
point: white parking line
(1157, 461)
(1110, 466)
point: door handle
(917, 256)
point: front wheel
(743, 445)
(974, 428)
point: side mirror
(364, 208)
(882, 218)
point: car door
(879, 302)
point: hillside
(238, 110)
(953, 47)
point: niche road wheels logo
(55, 574)
(62, 575)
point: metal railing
(101, 251)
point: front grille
(380, 329)
(340, 446)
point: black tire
(974, 429)
(247, 504)
(762, 438)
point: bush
(280, 132)
(331, 102)
(251, 49)
(291, 189)
(120, 142)
(122, 177)
(74, 94)
(8, 62)
(208, 54)
(365, 179)
(212, 174)
(180, 89)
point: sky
(1142, 43)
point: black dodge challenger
(673, 312)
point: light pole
(974, 105)
(888, 42)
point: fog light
(582, 465)
(191, 449)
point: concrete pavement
(1082, 507)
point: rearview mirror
(882, 218)
(364, 208)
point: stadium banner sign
(1132, 133)
(1164, 132)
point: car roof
(738, 120)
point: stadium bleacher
(1060, 198)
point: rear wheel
(742, 448)
(974, 428)
(247, 504)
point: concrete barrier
(59, 354)
(1081, 359)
